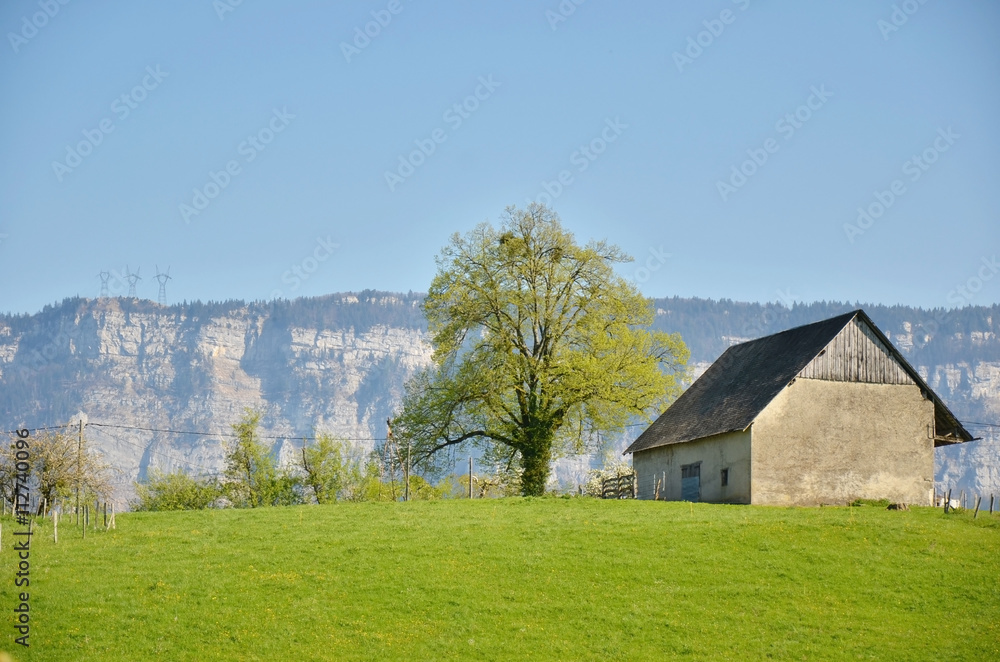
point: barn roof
(744, 380)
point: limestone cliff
(195, 368)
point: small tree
(326, 467)
(59, 463)
(421, 490)
(252, 475)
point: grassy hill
(535, 579)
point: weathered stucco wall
(825, 442)
(724, 451)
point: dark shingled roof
(744, 380)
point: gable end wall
(826, 442)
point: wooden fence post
(55, 527)
(947, 502)
(976, 514)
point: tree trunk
(535, 462)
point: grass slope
(531, 579)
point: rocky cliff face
(337, 364)
(147, 369)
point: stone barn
(820, 414)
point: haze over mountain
(135, 369)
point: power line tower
(133, 278)
(105, 277)
(162, 280)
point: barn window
(725, 477)
(691, 482)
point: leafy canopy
(59, 462)
(175, 491)
(253, 477)
(538, 345)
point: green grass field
(533, 579)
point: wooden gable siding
(856, 355)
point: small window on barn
(725, 477)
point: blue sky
(647, 110)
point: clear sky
(114, 113)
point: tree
(59, 462)
(327, 468)
(538, 345)
(252, 474)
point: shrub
(175, 491)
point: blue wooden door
(691, 482)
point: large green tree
(538, 345)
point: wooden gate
(622, 487)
